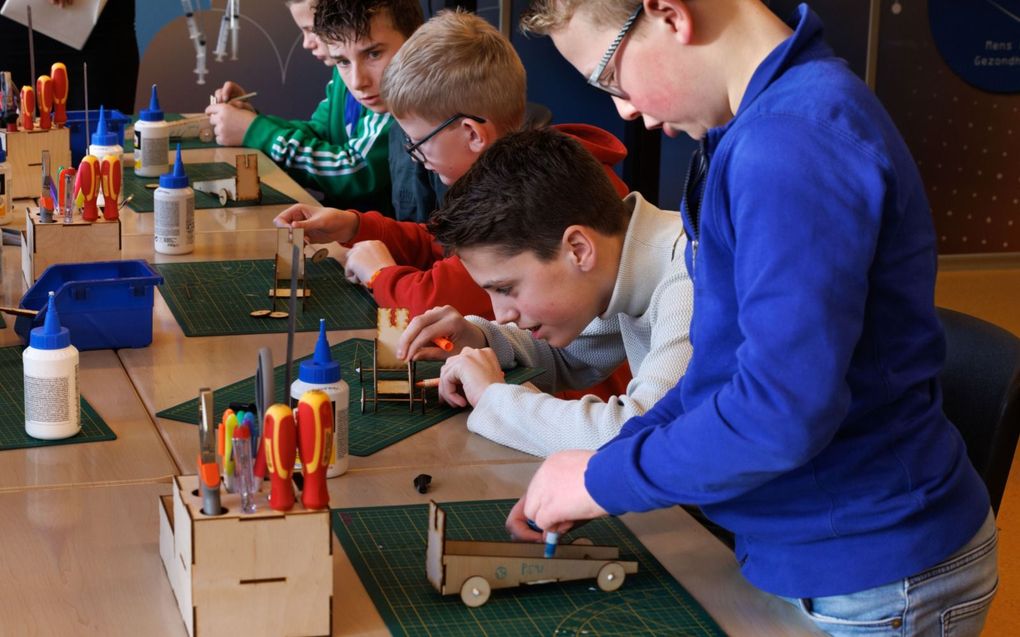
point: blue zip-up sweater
(809, 421)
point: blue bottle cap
(51, 335)
(102, 136)
(153, 113)
(178, 178)
(321, 369)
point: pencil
(428, 382)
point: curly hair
(346, 21)
(545, 16)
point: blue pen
(551, 538)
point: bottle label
(48, 399)
(174, 221)
(155, 151)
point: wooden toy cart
(474, 568)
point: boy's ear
(479, 135)
(675, 15)
(579, 247)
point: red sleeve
(410, 243)
(445, 283)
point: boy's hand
(416, 341)
(466, 376)
(321, 225)
(230, 90)
(556, 496)
(365, 258)
(229, 122)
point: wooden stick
(18, 311)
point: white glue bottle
(52, 401)
(104, 142)
(152, 140)
(323, 373)
(6, 185)
(174, 212)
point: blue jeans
(950, 599)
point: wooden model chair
(393, 380)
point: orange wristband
(371, 279)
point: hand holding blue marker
(551, 538)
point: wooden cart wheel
(583, 541)
(475, 591)
(362, 399)
(610, 577)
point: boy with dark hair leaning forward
(579, 281)
(809, 421)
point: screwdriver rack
(45, 244)
(267, 573)
(24, 148)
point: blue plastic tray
(105, 305)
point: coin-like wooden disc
(278, 315)
(260, 313)
(319, 255)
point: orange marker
(315, 444)
(111, 173)
(443, 343)
(44, 95)
(280, 446)
(87, 184)
(27, 108)
(60, 88)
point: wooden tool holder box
(44, 244)
(267, 573)
(24, 152)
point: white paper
(70, 25)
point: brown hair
(457, 63)
(523, 193)
(346, 21)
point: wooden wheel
(475, 591)
(583, 541)
(362, 399)
(610, 577)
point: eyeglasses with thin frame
(596, 78)
(414, 148)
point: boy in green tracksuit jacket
(342, 150)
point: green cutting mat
(369, 432)
(215, 298)
(190, 142)
(143, 201)
(12, 410)
(386, 545)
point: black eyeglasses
(414, 148)
(596, 78)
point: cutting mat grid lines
(369, 432)
(215, 298)
(386, 545)
(12, 410)
(143, 197)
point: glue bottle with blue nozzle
(104, 142)
(152, 140)
(174, 212)
(52, 405)
(323, 373)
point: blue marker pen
(551, 538)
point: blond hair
(545, 16)
(457, 63)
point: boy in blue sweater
(809, 421)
